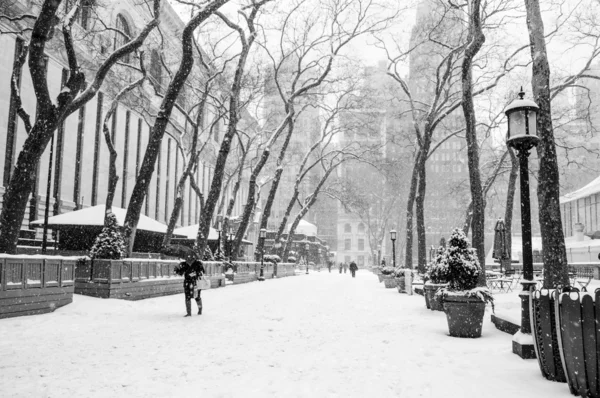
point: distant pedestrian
(345, 267)
(341, 266)
(191, 269)
(353, 268)
(329, 264)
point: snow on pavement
(317, 335)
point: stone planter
(389, 281)
(401, 284)
(433, 303)
(380, 276)
(464, 315)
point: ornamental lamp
(522, 123)
(393, 234)
(263, 233)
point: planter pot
(401, 284)
(433, 303)
(465, 316)
(389, 281)
(380, 276)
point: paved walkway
(317, 335)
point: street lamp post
(522, 136)
(277, 246)
(307, 247)
(393, 238)
(230, 245)
(262, 236)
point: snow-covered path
(317, 335)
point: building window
(347, 228)
(361, 244)
(84, 14)
(347, 244)
(123, 36)
(156, 71)
(361, 228)
(361, 261)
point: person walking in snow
(345, 267)
(329, 266)
(353, 268)
(191, 269)
(341, 266)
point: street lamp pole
(262, 236)
(393, 237)
(307, 247)
(522, 136)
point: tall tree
(233, 117)
(50, 114)
(553, 240)
(475, 41)
(157, 131)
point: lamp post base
(522, 345)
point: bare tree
(157, 131)
(233, 117)
(49, 115)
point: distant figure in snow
(191, 269)
(341, 266)
(353, 268)
(329, 266)
(345, 267)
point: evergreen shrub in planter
(464, 302)
(387, 277)
(435, 280)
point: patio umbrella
(500, 251)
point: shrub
(272, 258)
(387, 270)
(291, 259)
(400, 272)
(208, 255)
(461, 262)
(109, 245)
(437, 271)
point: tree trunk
(250, 201)
(475, 41)
(420, 210)
(264, 219)
(410, 203)
(553, 240)
(142, 182)
(510, 200)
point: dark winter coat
(353, 266)
(190, 272)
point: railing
(27, 272)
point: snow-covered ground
(317, 335)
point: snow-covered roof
(94, 216)
(590, 189)
(191, 231)
(304, 227)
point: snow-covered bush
(437, 271)
(400, 272)
(291, 259)
(208, 255)
(461, 261)
(272, 258)
(387, 270)
(459, 265)
(109, 245)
